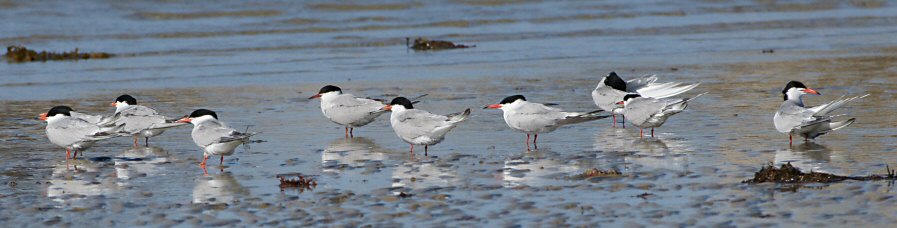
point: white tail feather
(664, 90)
(823, 110)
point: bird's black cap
(329, 88)
(127, 99)
(511, 99)
(203, 112)
(402, 101)
(64, 110)
(615, 81)
(630, 96)
(792, 84)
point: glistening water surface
(255, 63)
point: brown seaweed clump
(790, 175)
(296, 181)
(423, 44)
(22, 54)
(594, 172)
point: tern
(647, 112)
(534, 118)
(419, 127)
(793, 118)
(611, 90)
(140, 121)
(346, 109)
(74, 134)
(213, 136)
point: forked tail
(593, 115)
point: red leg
(615, 121)
(412, 148)
(652, 132)
(640, 134)
(68, 153)
(221, 164)
(624, 120)
(352, 132)
(75, 154)
(790, 139)
(135, 142)
(535, 138)
(204, 158)
(347, 132)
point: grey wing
(72, 130)
(418, 122)
(606, 97)
(237, 136)
(348, 100)
(209, 133)
(139, 110)
(350, 103)
(138, 118)
(633, 85)
(535, 114)
(87, 117)
(542, 111)
(640, 110)
(790, 116)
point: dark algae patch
(424, 44)
(296, 181)
(788, 174)
(594, 172)
(23, 54)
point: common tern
(346, 109)
(419, 127)
(534, 118)
(611, 90)
(793, 118)
(648, 112)
(139, 120)
(213, 136)
(74, 134)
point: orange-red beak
(811, 91)
(43, 116)
(619, 102)
(315, 96)
(113, 104)
(387, 108)
(185, 120)
(493, 106)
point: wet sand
(482, 174)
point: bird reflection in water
(140, 161)
(416, 174)
(536, 168)
(809, 156)
(355, 163)
(218, 188)
(80, 178)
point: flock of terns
(643, 102)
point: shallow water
(256, 62)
